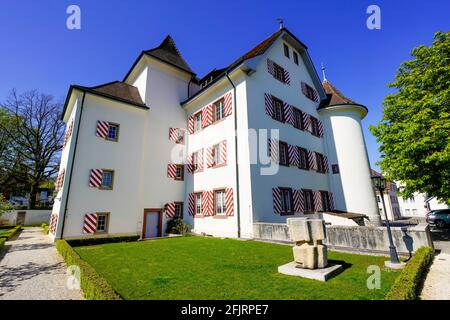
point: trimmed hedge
(11, 232)
(80, 242)
(45, 227)
(93, 285)
(2, 243)
(407, 285)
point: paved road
(31, 269)
(436, 286)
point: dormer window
(286, 50)
(295, 55)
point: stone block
(298, 229)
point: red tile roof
(337, 97)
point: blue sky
(39, 52)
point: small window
(286, 50)
(180, 136)
(219, 202)
(179, 210)
(286, 201)
(198, 121)
(278, 72)
(284, 154)
(102, 222)
(320, 163)
(113, 132)
(314, 126)
(278, 109)
(298, 119)
(219, 111)
(179, 172)
(199, 203)
(335, 168)
(195, 160)
(325, 197)
(216, 154)
(308, 199)
(378, 199)
(107, 179)
(309, 92)
(303, 154)
(295, 57)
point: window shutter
(293, 155)
(307, 121)
(331, 200)
(191, 208)
(229, 202)
(270, 67)
(312, 160)
(269, 106)
(207, 116)
(68, 133)
(273, 147)
(95, 178)
(208, 203)
(276, 198)
(228, 104)
(298, 201)
(173, 134)
(325, 162)
(200, 160)
(53, 222)
(317, 201)
(90, 223)
(170, 209)
(320, 128)
(102, 129)
(210, 157)
(286, 77)
(223, 152)
(288, 113)
(171, 170)
(191, 124)
(190, 167)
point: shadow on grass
(345, 265)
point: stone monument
(310, 254)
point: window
(309, 92)
(278, 109)
(286, 50)
(216, 154)
(107, 179)
(278, 72)
(195, 161)
(314, 126)
(335, 168)
(180, 136)
(199, 203)
(414, 212)
(303, 154)
(102, 222)
(320, 163)
(325, 198)
(179, 209)
(219, 110)
(286, 201)
(219, 202)
(179, 173)
(308, 199)
(113, 132)
(284, 154)
(298, 120)
(295, 57)
(378, 199)
(197, 121)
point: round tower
(347, 154)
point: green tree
(415, 129)
(4, 205)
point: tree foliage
(34, 134)
(415, 129)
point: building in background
(260, 140)
(419, 205)
(390, 199)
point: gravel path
(436, 286)
(32, 269)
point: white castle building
(260, 140)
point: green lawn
(214, 268)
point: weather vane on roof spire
(280, 20)
(323, 73)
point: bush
(2, 243)
(407, 285)
(79, 242)
(45, 227)
(93, 285)
(11, 232)
(177, 226)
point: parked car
(439, 218)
